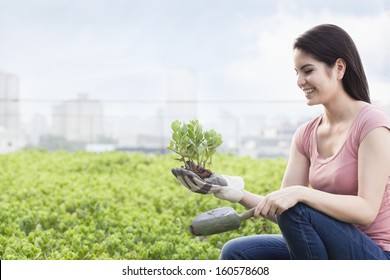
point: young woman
(334, 200)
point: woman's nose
(301, 81)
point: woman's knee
(291, 215)
(257, 247)
(230, 250)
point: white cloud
(125, 50)
(268, 73)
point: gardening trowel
(218, 220)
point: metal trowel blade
(216, 221)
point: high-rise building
(182, 95)
(182, 103)
(9, 112)
(80, 119)
(37, 127)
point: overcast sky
(125, 49)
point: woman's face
(318, 82)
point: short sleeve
(371, 119)
(303, 137)
(298, 139)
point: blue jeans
(307, 234)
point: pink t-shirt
(338, 174)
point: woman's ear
(340, 67)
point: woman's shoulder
(309, 126)
(304, 136)
(371, 117)
(373, 114)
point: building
(79, 119)
(38, 127)
(9, 112)
(182, 95)
(273, 141)
(181, 102)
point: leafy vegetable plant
(195, 146)
(97, 206)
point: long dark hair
(327, 43)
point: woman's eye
(308, 71)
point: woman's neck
(341, 110)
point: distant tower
(181, 101)
(38, 127)
(182, 95)
(79, 120)
(9, 110)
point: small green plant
(195, 146)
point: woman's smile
(308, 92)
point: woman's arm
(296, 173)
(373, 174)
(250, 200)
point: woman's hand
(224, 187)
(278, 201)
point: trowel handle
(248, 214)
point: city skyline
(124, 51)
(228, 63)
(80, 124)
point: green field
(82, 206)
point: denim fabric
(307, 235)
(257, 247)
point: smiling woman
(315, 78)
(339, 51)
(333, 201)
